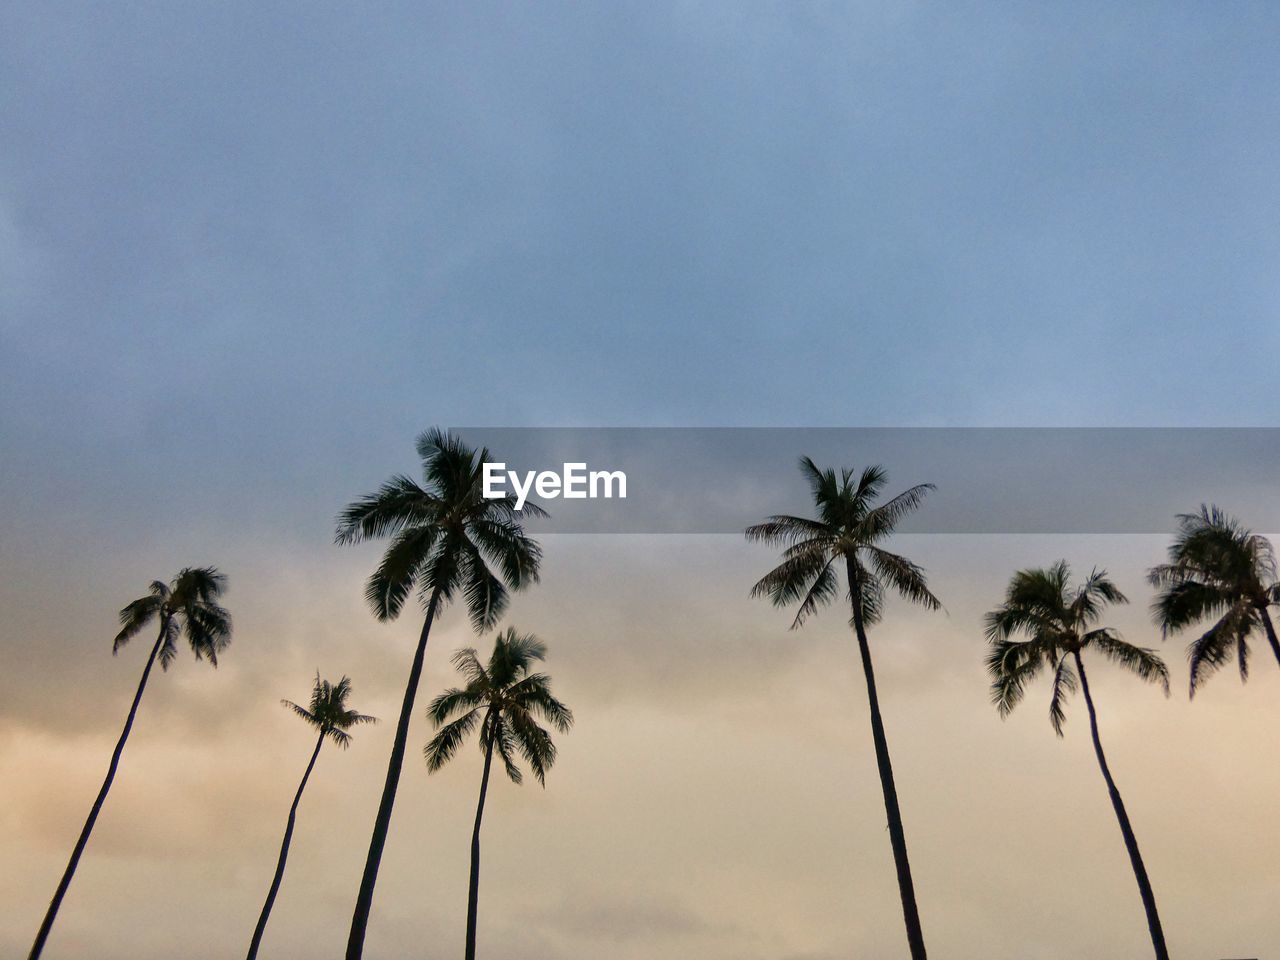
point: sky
(248, 252)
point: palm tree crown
(328, 712)
(187, 604)
(505, 700)
(1217, 570)
(849, 528)
(1058, 622)
(444, 535)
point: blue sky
(291, 228)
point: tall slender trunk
(1271, 633)
(284, 855)
(1130, 841)
(65, 882)
(897, 838)
(382, 823)
(473, 892)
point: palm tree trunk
(65, 882)
(897, 837)
(382, 823)
(284, 855)
(1130, 841)
(1271, 633)
(473, 892)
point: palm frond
(135, 616)
(397, 574)
(505, 744)
(468, 664)
(301, 711)
(1143, 662)
(533, 742)
(884, 519)
(504, 543)
(1183, 603)
(533, 693)
(198, 585)
(340, 738)
(485, 596)
(170, 630)
(455, 702)
(208, 629)
(441, 748)
(1012, 665)
(785, 530)
(398, 503)
(1213, 648)
(1064, 684)
(870, 483)
(822, 590)
(904, 576)
(793, 579)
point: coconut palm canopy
(505, 700)
(1057, 620)
(849, 530)
(1218, 571)
(188, 605)
(328, 712)
(445, 535)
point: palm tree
(504, 700)
(847, 533)
(1059, 624)
(329, 715)
(187, 605)
(444, 536)
(1217, 570)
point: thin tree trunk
(382, 823)
(284, 855)
(1130, 841)
(473, 892)
(65, 882)
(1271, 633)
(897, 837)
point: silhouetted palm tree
(187, 605)
(1219, 571)
(504, 700)
(329, 715)
(1059, 625)
(847, 533)
(444, 535)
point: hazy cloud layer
(718, 797)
